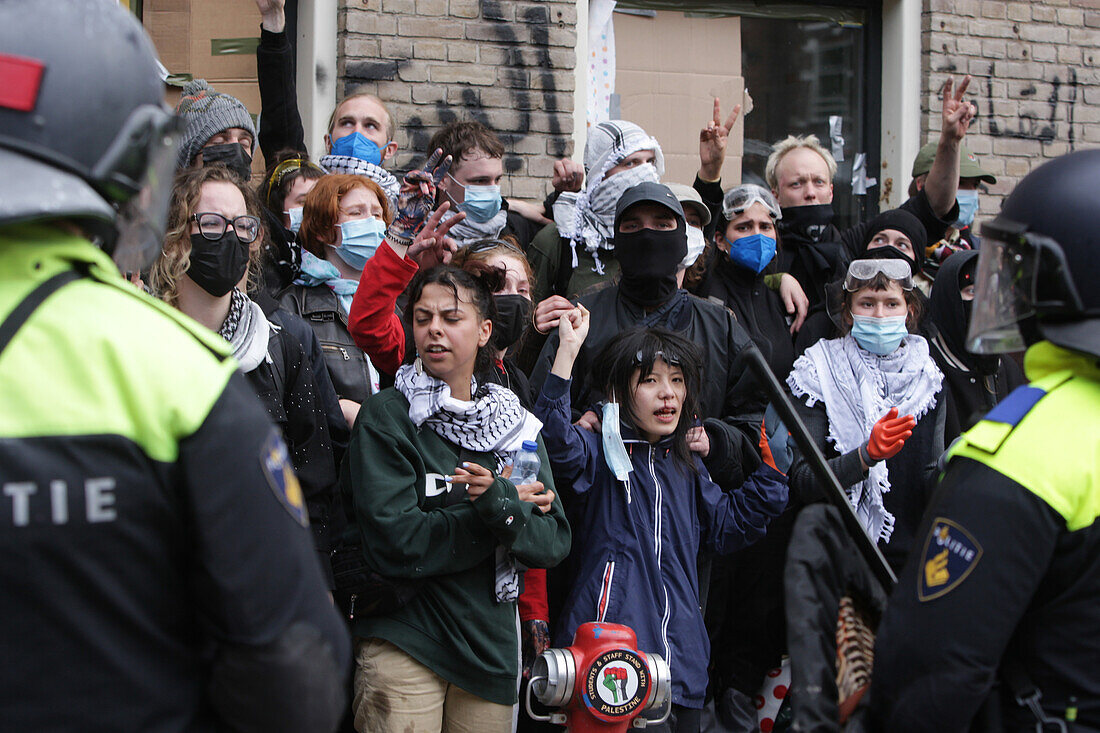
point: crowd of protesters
(410, 332)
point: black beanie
(904, 222)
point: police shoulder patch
(280, 477)
(949, 556)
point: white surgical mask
(295, 215)
(695, 247)
(614, 451)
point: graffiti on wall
(527, 74)
(1028, 124)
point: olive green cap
(968, 163)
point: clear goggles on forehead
(1020, 274)
(860, 271)
(739, 198)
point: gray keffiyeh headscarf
(588, 218)
(493, 422)
(859, 387)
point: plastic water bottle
(525, 464)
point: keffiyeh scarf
(247, 330)
(859, 387)
(357, 167)
(493, 422)
(588, 218)
(468, 230)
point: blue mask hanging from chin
(752, 252)
(879, 335)
(968, 208)
(358, 145)
(359, 240)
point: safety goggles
(1020, 274)
(739, 198)
(860, 271)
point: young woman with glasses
(212, 248)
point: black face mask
(216, 266)
(513, 311)
(232, 156)
(810, 221)
(648, 259)
(891, 253)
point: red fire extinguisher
(601, 683)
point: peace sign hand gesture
(957, 113)
(712, 142)
(416, 199)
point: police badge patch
(950, 554)
(280, 477)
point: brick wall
(1036, 69)
(506, 64)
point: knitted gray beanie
(205, 113)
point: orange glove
(889, 435)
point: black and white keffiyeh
(247, 330)
(588, 218)
(468, 230)
(359, 167)
(493, 422)
(859, 387)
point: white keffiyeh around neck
(494, 421)
(588, 217)
(359, 167)
(859, 387)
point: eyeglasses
(861, 271)
(485, 245)
(213, 226)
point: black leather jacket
(348, 366)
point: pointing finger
(441, 171)
(962, 87)
(717, 112)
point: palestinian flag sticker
(617, 683)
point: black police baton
(834, 492)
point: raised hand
(432, 246)
(548, 311)
(713, 140)
(889, 434)
(573, 328)
(568, 175)
(957, 112)
(272, 15)
(416, 199)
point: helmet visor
(1020, 275)
(142, 217)
(739, 198)
(860, 271)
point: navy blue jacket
(637, 541)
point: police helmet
(1039, 262)
(85, 134)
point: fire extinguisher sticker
(617, 683)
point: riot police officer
(156, 571)
(1002, 591)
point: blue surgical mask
(753, 252)
(481, 203)
(360, 238)
(879, 335)
(968, 207)
(358, 145)
(295, 215)
(614, 451)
